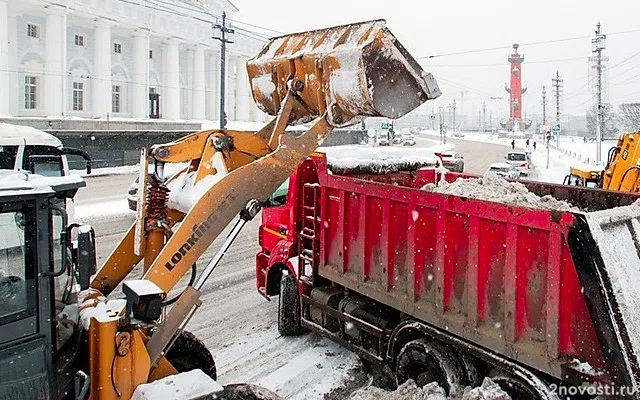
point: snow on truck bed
(491, 187)
(354, 159)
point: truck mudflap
(607, 247)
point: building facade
(122, 59)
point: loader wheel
(289, 307)
(189, 353)
(423, 362)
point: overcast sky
(441, 27)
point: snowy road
(236, 323)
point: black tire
(189, 353)
(519, 389)
(423, 362)
(289, 314)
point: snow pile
(184, 194)
(494, 188)
(407, 391)
(410, 391)
(377, 160)
(194, 384)
(584, 367)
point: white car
(408, 140)
(520, 160)
(504, 170)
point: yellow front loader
(326, 78)
(622, 171)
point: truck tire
(519, 389)
(189, 353)
(423, 362)
(289, 314)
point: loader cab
(39, 335)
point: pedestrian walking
(534, 144)
(513, 144)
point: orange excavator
(326, 78)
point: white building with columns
(117, 58)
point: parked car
(504, 170)
(520, 160)
(408, 140)
(452, 161)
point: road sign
(385, 125)
(557, 128)
(433, 117)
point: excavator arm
(326, 79)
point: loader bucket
(349, 71)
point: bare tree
(630, 116)
(609, 121)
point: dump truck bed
(552, 289)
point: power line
(487, 49)
(502, 64)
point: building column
(230, 89)
(4, 57)
(242, 90)
(198, 88)
(101, 75)
(140, 76)
(213, 96)
(171, 79)
(55, 61)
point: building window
(116, 98)
(33, 31)
(150, 54)
(78, 96)
(79, 40)
(117, 48)
(30, 88)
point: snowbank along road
(236, 323)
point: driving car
(408, 140)
(504, 170)
(520, 160)
(452, 161)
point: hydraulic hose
(625, 175)
(191, 281)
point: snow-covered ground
(102, 210)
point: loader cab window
(8, 157)
(17, 264)
(43, 160)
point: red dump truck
(451, 289)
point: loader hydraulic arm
(327, 78)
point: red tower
(516, 90)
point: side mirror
(85, 255)
(81, 153)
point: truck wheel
(189, 353)
(518, 389)
(289, 307)
(421, 361)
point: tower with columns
(109, 59)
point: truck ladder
(308, 241)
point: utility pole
(454, 116)
(484, 116)
(597, 45)
(544, 106)
(224, 30)
(443, 138)
(557, 84)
